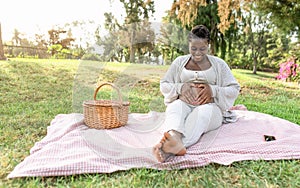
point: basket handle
(113, 86)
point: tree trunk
(214, 36)
(172, 54)
(132, 45)
(2, 57)
(254, 65)
(223, 46)
(132, 53)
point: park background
(258, 39)
(248, 34)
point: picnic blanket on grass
(70, 147)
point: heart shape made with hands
(196, 90)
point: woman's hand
(187, 94)
(203, 94)
(196, 94)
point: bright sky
(38, 16)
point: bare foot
(170, 144)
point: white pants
(192, 121)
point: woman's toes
(167, 135)
(159, 145)
(170, 144)
(160, 155)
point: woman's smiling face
(198, 49)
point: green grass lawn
(33, 92)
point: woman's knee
(208, 110)
(208, 114)
(177, 105)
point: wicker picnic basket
(105, 114)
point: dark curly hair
(199, 31)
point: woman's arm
(226, 91)
(170, 84)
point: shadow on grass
(258, 75)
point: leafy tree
(164, 41)
(112, 41)
(144, 43)
(57, 43)
(134, 37)
(2, 57)
(228, 11)
(217, 16)
(136, 11)
(16, 39)
(40, 40)
(208, 16)
(117, 42)
(173, 40)
(285, 14)
(278, 47)
(227, 41)
(41, 43)
(156, 53)
(85, 37)
(294, 50)
(253, 41)
(257, 39)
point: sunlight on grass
(34, 91)
(263, 93)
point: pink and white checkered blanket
(72, 148)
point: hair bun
(199, 31)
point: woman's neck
(201, 62)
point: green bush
(92, 57)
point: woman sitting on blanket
(198, 89)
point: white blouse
(208, 75)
